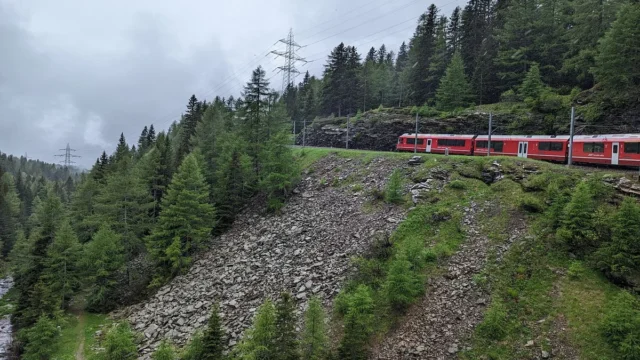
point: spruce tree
(188, 128)
(185, 221)
(454, 32)
(62, 265)
(103, 257)
(213, 338)
(421, 50)
(314, 343)
(620, 257)
(259, 341)
(454, 91)
(9, 212)
(532, 86)
(143, 143)
(255, 108)
(358, 324)
(440, 57)
(165, 351)
(279, 170)
(617, 69)
(576, 231)
(194, 349)
(82, 210)
(41, 339)
(402, 284)
(286, 337)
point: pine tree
(165, 352)
(103, 257)
(41, 339)
(616, 67)
(255, 108)
(186, 218)
(576, 231)
(286, 337)
(119, 344)
(440, 58)
(194, 349)
(83, 209)
(9, 212)
(314, 343)
(532, 85)
(402, 285)
(143, 143)
(454, 32)
(421, 50)
(454, 91)
(358, 324)
(20, 256)
(259, 341)
(188, 128)
(122, 156)
(151, 135)
(156, 171)
(620, 257)
(279, 170)
(213, 338)
(62, 265)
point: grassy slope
(74, 330)
(533, 297)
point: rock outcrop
(305, 250)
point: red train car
(550, 148)
(437, 143)
(617, 149)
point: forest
(136, 219)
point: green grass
(73, 331)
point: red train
(618, 149)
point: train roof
(605, 137)
(440, 136)
(524, 137)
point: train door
(615, 152)
(523, 149)
(428, 145)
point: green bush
(165, 351)
(494, 324)
(509, 96)
(576, 270)
(621, 325)
(531, 203)
(393, 191)
(119, 344)
(403, 284)
(576, 232)
(457, 184)
(358, 324)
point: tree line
(481, 54)
(136, 218)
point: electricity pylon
(289, 70)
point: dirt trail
(81, 323)
(438, 326)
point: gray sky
(83, 71)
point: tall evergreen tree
(103, 257)
(9, 212)
(286, 337)
(213, 338)
(358, 324)
(454, 91)
(532, 84)
(439, 60)
(151, 135)
(259, 341)
(421, 50)
(62, 265)
(186, 218)
(619, 54)
(143, 143)
(188, 128)
(454, 32)
(314, 339)
(83, 215)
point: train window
(412, 141)
(550, 146)
(451, 142)
(594, 147)
(399, 140)
(495, 145)
(632, 148)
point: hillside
(496, 285)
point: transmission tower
(67, 156)
(289, 70)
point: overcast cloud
(83, 71)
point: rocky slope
(305, 250)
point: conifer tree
(440, 57)
(194, 349)
(402, 285)
(122, 156)
(9, 212)
(279, 170)
(20, 256)
(186, 218)
(454, 32)
(83, 209)
(421, 50)
(620, 257)
(617, 62)
(286, 337)
(358, 324)
(255, 108)
(188, 128)
(576, 230)
(213, 338)
(119, 344)
(454, 91)
(314, 339)
(156, 171)
(259, 341)
(143, 143)
(41, 339)
(151, 135)
(62, 265)
(103, 257)
(165, 351)
(532, 85)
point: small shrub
(576, 270)
(393, 191)
(323, 181)
(531, 203)
(457, 185)
(621, 325)
(356, 188)
(403, 284)
(119, 344)
(165, 351)
(509, 96)
(494, 325)
(377, 194)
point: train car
(437, 143)
(616, 149)
(409, 142)
(541, 147)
